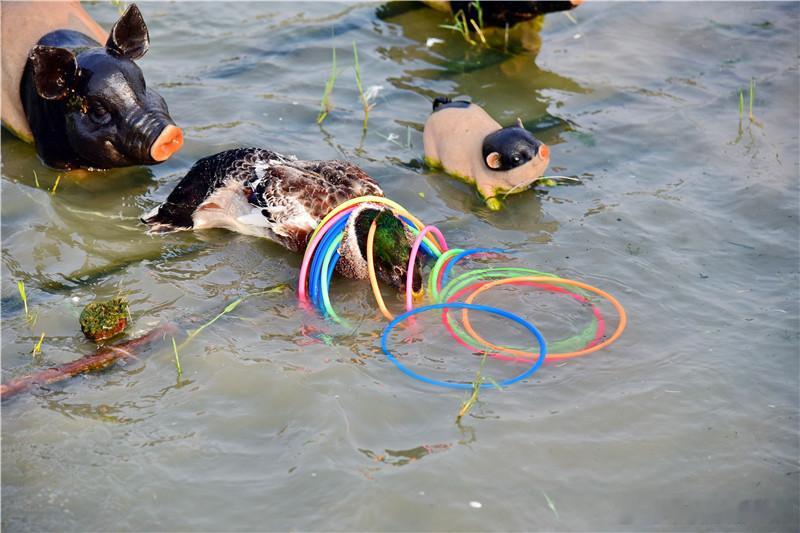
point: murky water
(283, 421)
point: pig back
(453, 138)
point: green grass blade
(493, 382)
(228, 308)
(460, 25)
(741, 104)
(38, 347)
(358, 71)
(55, 185)
(177, 359)
(361, 95)
(325, 103)
(231, 306)
(477, 5)
(476, 388)
(21, 289)
(478, 31)
(464, 25)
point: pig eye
(99, 113)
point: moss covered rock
(103, 320)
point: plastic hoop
(591, 335)
(464, 306)
(623, 318)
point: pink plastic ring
(309, 253)
(413, 256)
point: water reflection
(521, 212)
(403, 457)
(114, 414)
(21, 163)
(504, 77)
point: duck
(262, 193)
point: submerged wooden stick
(100, 360)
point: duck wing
(262, 193)
(292, 197)
(207, 176)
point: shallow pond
(282, 420)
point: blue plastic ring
(316, 264)
(473, 307)
(315, 272)
(325, 279)
(427, 249)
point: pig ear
(493, 160)
(129, 37)
(54, 71)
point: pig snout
(151, 135)
(544, 152)
(167, 143)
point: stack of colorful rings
(322, 254)
(471, 283)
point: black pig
(494, 13)
(500, 13)
(88, 106)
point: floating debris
(372, 93)
(100, 360)
(103, 320)
(551, 505)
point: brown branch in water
(100, 360)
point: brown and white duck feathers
(261, 193)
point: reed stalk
(325, 104)
(364, 102)
(177, 359)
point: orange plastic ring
(373, 280)
(623, 317)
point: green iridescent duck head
(391, 247)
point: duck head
(391, 247)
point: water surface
(285, 421)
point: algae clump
(103, 320)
